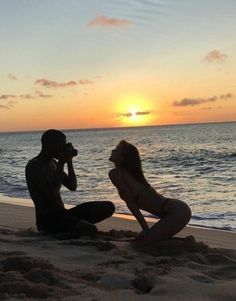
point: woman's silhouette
(133, 188)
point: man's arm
(69, 181)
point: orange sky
(94, 67)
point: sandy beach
(199, 264)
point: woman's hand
(142, 235)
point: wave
(224, 228)
(233, 155)
(18, 190)
(216, 217)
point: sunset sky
(108, 63)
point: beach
(199, 264)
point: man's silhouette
(45, 175)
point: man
(44, 177)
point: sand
(198, 264)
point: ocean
(194, 163)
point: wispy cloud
(4, 107)
(26, 96)
(42, 95)
(129, 114)
(12, 76)
(197, 101)
(143, 113)
(53, 84)
(43, 82)
(104, 21)
(207, 108)
(8, 105)
(124, 114)
(7, 96)
(85, 82)
(215, 56)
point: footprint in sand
(117, 280)
(113, 263)
(99, 245)
(224, 273)
(24, 264)
(171, 247)
(219, 259)
(143, 284)
(202, 278)
(89, 276)
(27, 277)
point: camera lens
(74, 152)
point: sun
(134, 110)
(133, 115)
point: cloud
(207, 108)
(215, 56)
(7, 96)
(128, 114)
(124, 114)
(226, 96)
(9, 105)
(12, 76)
(85, 82)
(4, 107)
(26, 96)
(197, 101)
(143, 113)
(53, 84)
(104, 21)
(43, 95)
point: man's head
(53, 142)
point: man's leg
(92, 212)
(72, 224)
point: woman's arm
(138, 215)
(125, 193)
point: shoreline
(16, 213)
(28, 203)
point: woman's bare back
(145, 197)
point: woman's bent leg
(177, 217)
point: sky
(113, 63)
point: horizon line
(117, 127)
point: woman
(133, 188)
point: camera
(70, 148)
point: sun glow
(134, 110)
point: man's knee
(110, 208)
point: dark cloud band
(197, 101)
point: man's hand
(65, 156)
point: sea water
(193, 163)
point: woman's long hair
(132, 163)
